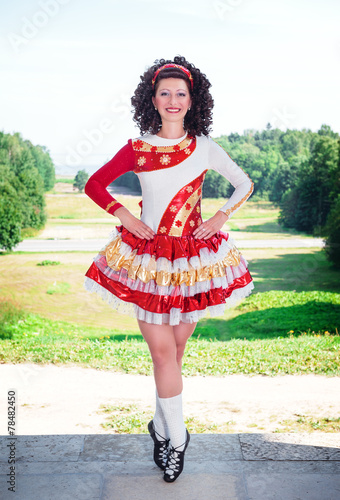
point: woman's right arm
(122, 162)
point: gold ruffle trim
(117, 261)
(234, 207)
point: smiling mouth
(173, 110)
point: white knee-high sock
(159, 421)
(173, 413)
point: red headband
(171, 65)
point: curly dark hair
(198, 119)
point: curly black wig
(198, 119)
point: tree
(307, 206)
(80, 180)
(22, 200)
(215, 186)
(10, 214)
(44, 165)
(129, 180)
(326, 130)
(284, 178)
(332, 247)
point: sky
(70, 67)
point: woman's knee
(163, 357)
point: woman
(169, 266)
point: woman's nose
(172, 99)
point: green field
(290, 323)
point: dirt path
(66, 400)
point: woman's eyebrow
(183, 90)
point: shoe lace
(163, 445)
(174, 460)
(163, 451)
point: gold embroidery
(239, 203)
(117, 261)
(141, 161)
(184, 213)
(165, 159)
(162, 229)
(139, 145)
(173, 208)
(234, 207)
(111, 205)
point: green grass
(48, 262)
(276, 313)
(288, 325)
(309, 424)
(317, 354)
(292, 270)
(132, 418)
(30, 338)
(59, 288)
(65, 180)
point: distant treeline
(298, 170)
(26, 172)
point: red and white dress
(173, 277)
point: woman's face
(172, 99)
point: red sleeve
(122, 162)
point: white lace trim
(175, 316)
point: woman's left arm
(220, 161)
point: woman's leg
(163, 350)
(168, 377)
(182, 333)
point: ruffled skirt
(169, 279)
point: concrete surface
(67, 399)
(217, 467)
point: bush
(216, 186)
(10, 216)
(80, 180)
(129, 180)
(25, 173)
(332, 247)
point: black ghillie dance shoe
(175, 463)
(160, 451)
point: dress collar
(155, 140)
